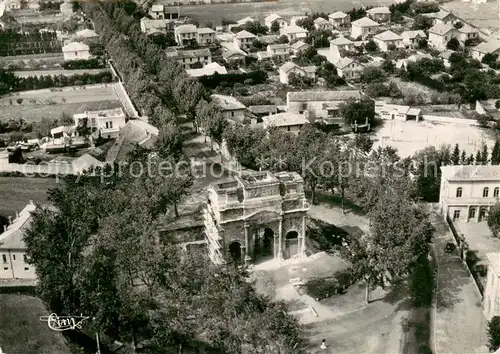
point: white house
(230, 107)
(363, 28)
(299, 46)
(440, 34)
(322, 105)
(323, 25)
(150, 26)
(244, 39)
(479, 51)
(244, 21)
(107, 123)
(491, 302)
(192, 56)
(411, 38)
(279, 51)
(442, 17)
(286, 122)
(86, 33)
(234, 55)
(398, 112)
(206, 36)
(185, 34)
(269, 20)
(379, 14)
(15, 263)
(295, 19)
(288, 68)
(161, 12)
(342, 43)
(76, 51)
(340, 19)
(467, 32)
(208, 70)
(349, 69)
(468, 192)
(388, 39)
(294, 32)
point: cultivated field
(409, 137)
(26, 73)
(482, 15)
(16, 192)
(21, 330)
(52, 103)
(285, 8)
(48, 59)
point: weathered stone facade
(254, 215)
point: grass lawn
(16, 192)
(21, 330)
(32, 113)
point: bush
(494, 334)
(322, 288)
(83, 64)
(422, 284)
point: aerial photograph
(249, 176)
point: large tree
(494, 334)
(494, 220)
(358, 111)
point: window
(26, 268)
(206, 58)
(4, 258)
(486, 190)
(288, 128)
(232, 114)
(14, 257)
(459, 192)
(456, 214)
(5, 268)
(110, 124)
(496, 191)
(472, 213)
(76, 54)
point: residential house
(440, 34)
(290, 67)
(62, 131)
(12, 5)
(135, 133)
(479, 51)
(294, 32)
(206, 36)
(268, 38)
(15, 262)
(468, 192)
(230, 107)
(76, 51)
(388, 40)
(295, 19)
(244, 21)
(107, 123)
(323, 25)
(349, 69)
(442, 17)
(86, 34)
(491, 302)
(261, 111)
(467, 32)
(411, 38)
(322, 105)
(279, 51)
(401, 113)
(269, 20)
(342, 43)
(150, 26)
(286, 122)
(208, 70)
(186, 34)
(165, 12)
(402, 63)
(340, 19)
(379, 14)
(299, 46)
(189, 57)
(244, 39)
(445, 55)
(234, 56)
(363, 28)
(84, 163)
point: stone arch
(235, 251)
(292, 246)
(483, 213)
(264, 242)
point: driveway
(459, 324)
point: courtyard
(410, 136)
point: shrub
(494, 334)
(322, 288)
(494, 220)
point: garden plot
(410, 137)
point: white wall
(15, 268)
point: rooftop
(487, 47)
(157, 8)
(227, 102)
(337, 15)
(194, 53)
(441, 29)
(341, 40)
(294, 29)
(186, 29)
(471, 173)
(74, 47)
(388, 36)
(344, 62)
(272, 18)
(298, 45)
(285, 119)
(87, 33)
(260, 109)
(440, 15)
(205, 30)
(245, 34)
(207, 70)
(289, 65)
(245, 20)
(446, 54)
(307, 96)
(135, 132)
(379, 10)
(365, 22)
(12, 238)
(413, 34)
(320, 20)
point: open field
(27, 73)
(481, 15)
(285, 8)
(16, 192)
(47, 59)
(21, 330)
(409, 137)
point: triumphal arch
(256, 216)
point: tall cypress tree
(471, 159)
(495, 154)
(484, 155)
(479, 157)
(463, 158)
(455, 156)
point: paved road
(459, 325)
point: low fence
(452, 120)
(463, 249)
